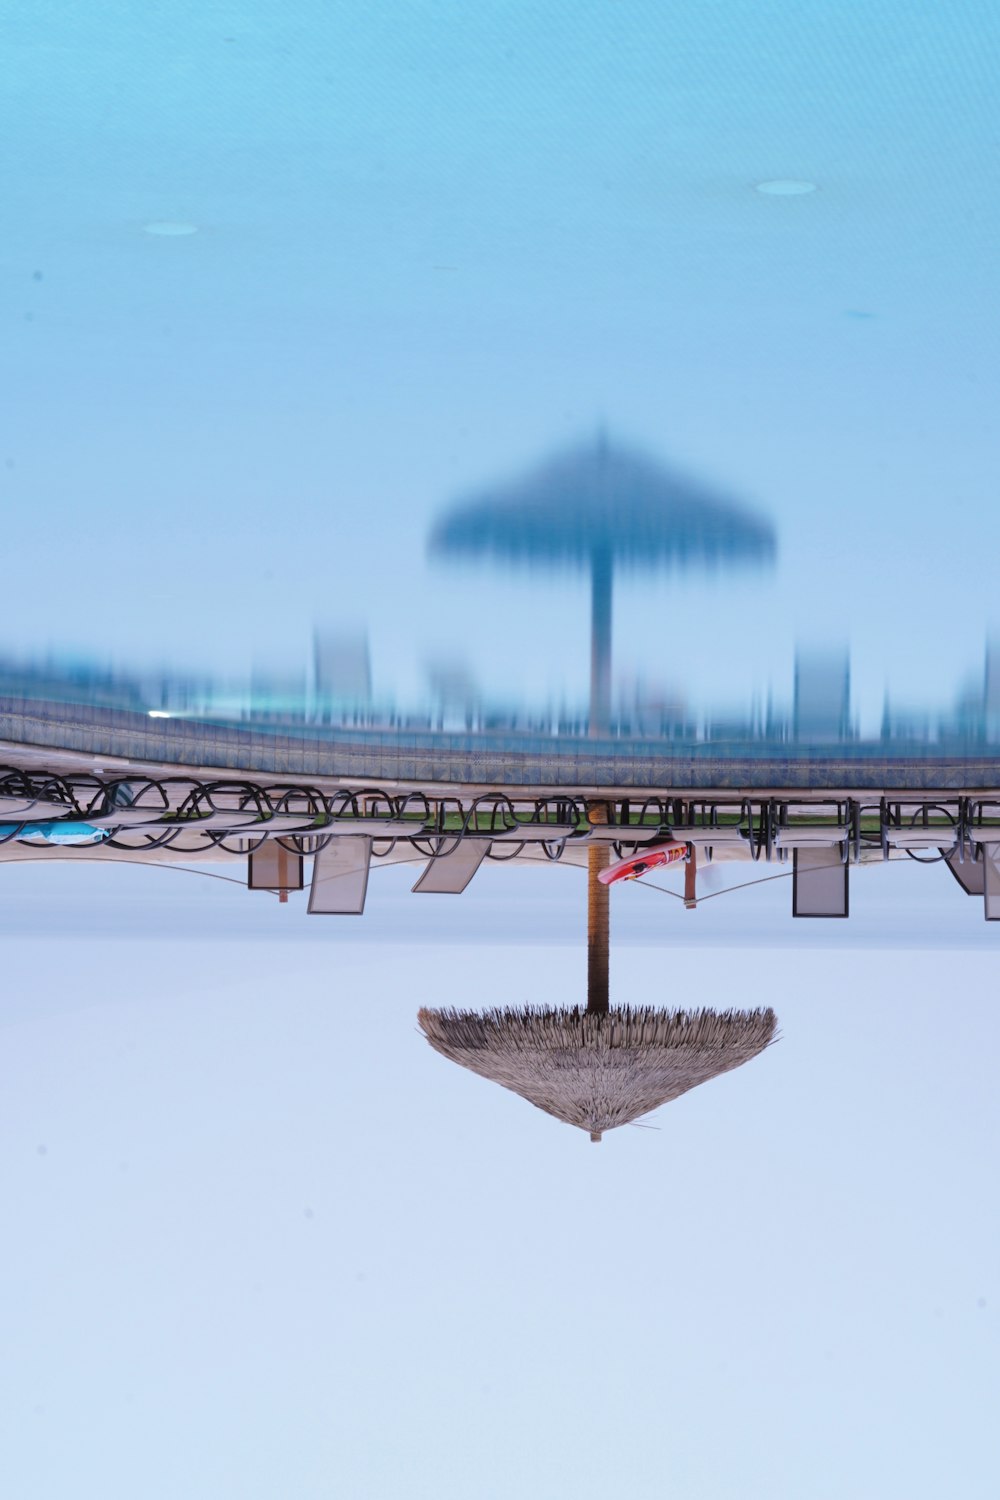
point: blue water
(434, 243)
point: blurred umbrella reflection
(596, 507)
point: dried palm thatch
(599, 1071)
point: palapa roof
(598, 1071)
(603, 500)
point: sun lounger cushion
(807, 838)
(715, 837)
(985, 835)
(921, 838)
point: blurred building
(456, 699)
(342, 671)
(277, 692)
(991, 690)
(822, 704)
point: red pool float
(643, 861)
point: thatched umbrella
(597, 507)
(599, 1071)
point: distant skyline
(820, 699)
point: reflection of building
(337, 692)
(455, 695)
(276, 692)
(342, 670)
(991, 691)
(822, 708)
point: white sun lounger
(376, 828)
(611, 833)
(700, 837)
(289, 825)
(278, 825)
(149, 820)
(340, 877)
(942, 837)
(528, 833)
(989, 835)
(251, 825)
(24, 809)
(816, 837)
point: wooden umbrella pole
(598, 921)
(691, 880)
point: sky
(260, 1240)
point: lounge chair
(821, 826)
(941, 840)
(376, 828)
(937, 839)
(157, 820)
(529, 833)
(14, 809)
(620, 833)
(820, 836)
(725, 836)
(703, 832)
(300, 825)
